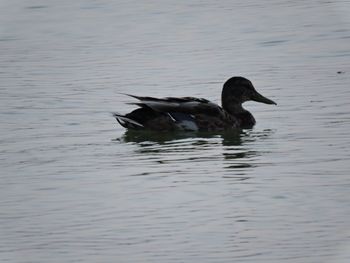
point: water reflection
(232, 154)
(229, 138)
(142, 137)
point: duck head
(237, 90)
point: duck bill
(260, 98)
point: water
(76, 188)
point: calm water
(76, 188)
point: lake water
(76, 188)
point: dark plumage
(195, 114)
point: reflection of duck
(195, 114)
(233, 152)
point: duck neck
(236, 109)
(232, 106)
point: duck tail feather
(139, 97)
(130, 95)
(140, 104)
(127, 122)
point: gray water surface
(75, 187)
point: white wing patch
(183, 121)
(187, 125)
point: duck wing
(189, 105)
(169, 114)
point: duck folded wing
(188, 105)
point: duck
(195, 114)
